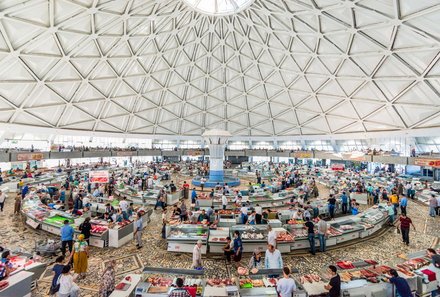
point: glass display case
(182, 238)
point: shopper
(2, 200)
(322, 233)
(224, 202)
(405, 223)
(273, 259)
(66, 237)
(183, 212)
(402, 287)
(57, 269)
(179, 291)
(123, 206)
(310, 234)
(344, 202)
(395, 201)
(228, 249)
(197, 255)
(193, 196)
(202, 183)
(432, 205)
(138, 231)
(17, 206)
(286, 286)
(108, 279)
(244, 213)
(331, 206)
(86, 229)
(403, 204)
(238, 247)
(255, 261)
(438, 205)
(258, 213)
(334, 285)
(80, 256)
(271, 236)
(68, 288)
(390, 209)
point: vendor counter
(103, 233)
(19, 284)
(290, 237)
(147, 197)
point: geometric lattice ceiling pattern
(276, 68)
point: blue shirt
(354, 211)
(67, 233)
(238, 244)
(344, 199)
(193, 194)
(404, 202)
(402, 286)
(58, 269)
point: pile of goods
(285, 237)
(310, 278)
(160, 281)
(345, 227)
(299, 233)
(333, 232)
(214, 282)
(295, 222)
(242, 271)
(246, 283)
(345, 265)
(124, 223)
(98, 229)
(228, 212)
(252, 235)
(414, 264)
(382, 269)
(270, 282)
(371, 262)
(4, 284)
(220, 239)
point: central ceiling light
(219, 7)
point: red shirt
(405, 222)
(185, 186)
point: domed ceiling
(254, 68)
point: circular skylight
(219, 7)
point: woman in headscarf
(108, 279)
(80, 254)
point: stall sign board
(302, 155)
(427, 162)
(125, 154)
(27, 157)
(99, 177)
(32, 223)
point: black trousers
(1, 206)
(403, 209)
(344, 207)
(405, 235)
(258, 218)
(228, 255)
(64, 244)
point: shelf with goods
(183, 237)
(217, 240)
(162, 281)
(148, 197)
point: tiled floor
(385, 248)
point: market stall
(183, 237)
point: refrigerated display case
(182, 238)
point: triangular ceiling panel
(274, 68)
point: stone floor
(385, 247)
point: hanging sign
(302, 155)
(27, 157)
(427, 162)
(99, 177)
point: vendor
(400, 283)
(176, 211)
(334, 285)
(435, 261)
(106, 217)
(255, 261)
(203, 216)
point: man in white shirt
(2, 200)
(322, 233)
(259, 213)
(271, 236)
(197, 255)
(123, 205)
(286, 286)
(224, 202)
(244, 214)
(273, 259)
